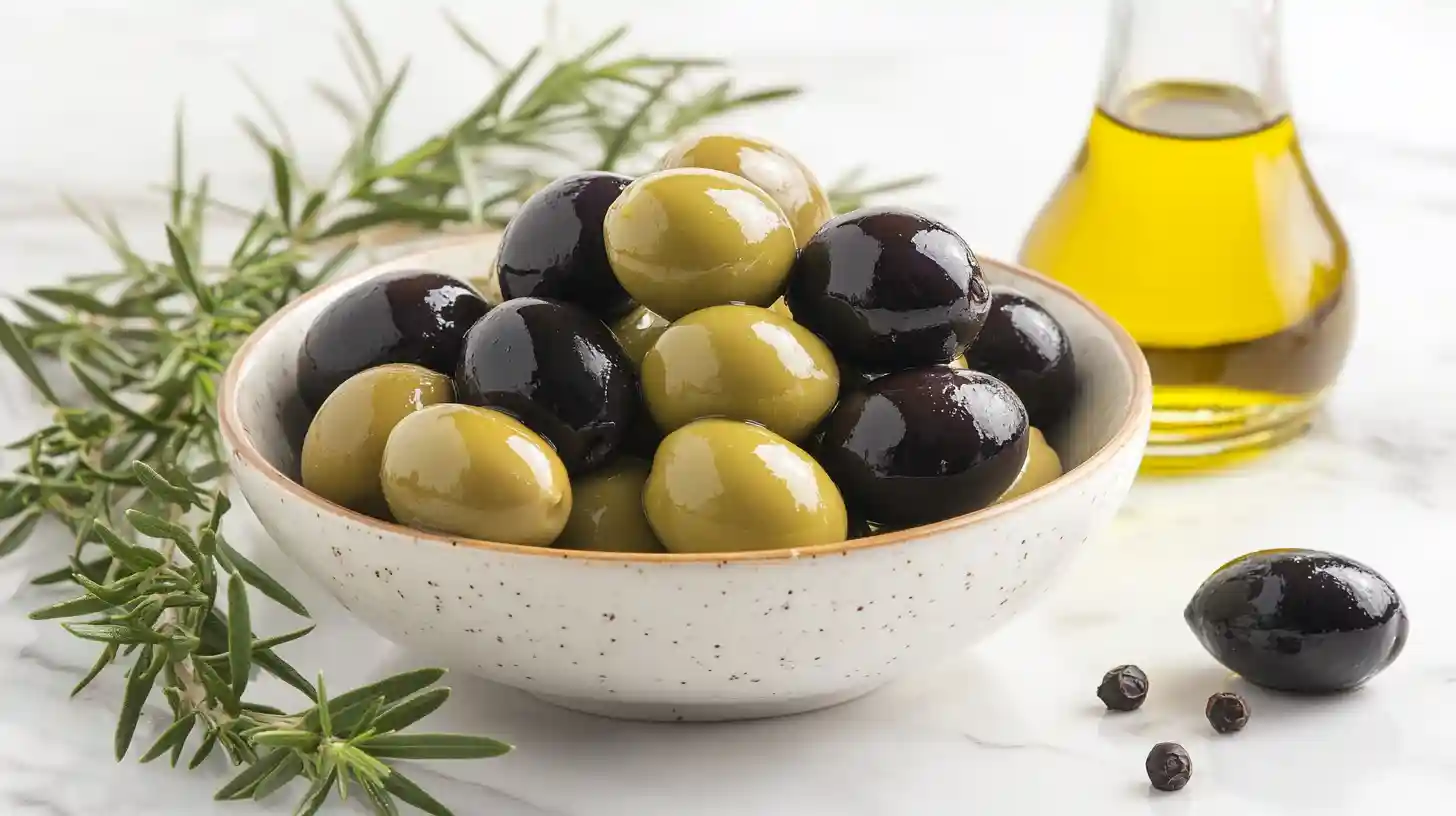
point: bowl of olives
(689, 445)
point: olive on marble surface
(771, 168)
(926, 444)
(1299, 620)
(552, 248)
(685, 239)
(476, 472)
(740, 362)
(345, 441)
(1024, 346)
(557, 369)
(407, 316)
(718, 485)
(606, 510)
(889, 289)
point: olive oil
(1190, 216)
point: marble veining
(1011, 727)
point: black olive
(409, 316)
(889, 289)
(1299, 620)
(1025, 347)
(552, 248)
(558, 370)
(923, 445)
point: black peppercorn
(1123, 688)
(1168, 766)
(1227, 712)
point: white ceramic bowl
(708, 637)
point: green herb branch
(135, 471)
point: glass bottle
(1190, 216)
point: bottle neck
(1228, 49)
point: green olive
(637, 330)
(771, 168)
(475, 472)
(606, 511)
(723, 486)
(681, 240)
(1041, 467)
(740, 362)
(345, 441)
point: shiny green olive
(476, 472)
(1042, 466)
(606, 511)
(682, 240)
(345, 441)
(771, 168)
(740, 362)
(636, 331)
(723, 486)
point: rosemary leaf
(434, 746)
(270, 662)
(138, 687)
(259, 579)
(282, 186)
(84, 605)
(407, 791)
(379, 798)
(240, 635)
(317, 794)
(154, 482)
(114, 633)
(241, 785)
(305, 741)
(281, 775)
(176, 734)
(19, 532)
(103, 660)
(209, 741)
(390, 688)
(279, 640)
(16, 348)
(410, 710)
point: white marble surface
(991, 97)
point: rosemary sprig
(135, 471)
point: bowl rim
(1138, 416)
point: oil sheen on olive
(345, 441)
(923, 445)
(552, 248)
(556, 368)
(1042, 466)
(606, 510)
(1299, 620)
(636, 331)
(723, 486)
(1025, 347)
(771, 168)
(889, 289)
(475, 472)
(740, 362)
(681, 240)
(408, 316)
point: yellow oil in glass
(1190, 216)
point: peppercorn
(1123, 688)
(1227, 712)
(1168, 766)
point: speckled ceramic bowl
(709, 637)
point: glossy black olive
(889, 289)
(1299, 620)
(408, 316)
(552, 248)
(924, 445)
(558, 370)
(1025, 347)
